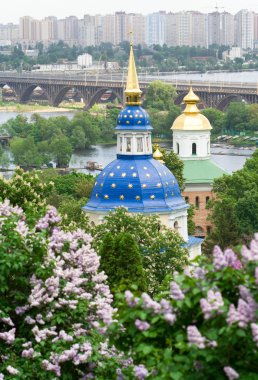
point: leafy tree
(216, 118)
(122, 262)
(25, 151)
(62, 150)
(236, 118)
(78, 138)
(160, 247)
(234, 210)
(160, 96)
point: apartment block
(244, 29)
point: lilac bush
(202, 325)
(55, 304)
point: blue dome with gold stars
(139, 183)
(135, 180)
(133, 117)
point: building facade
(191, 141)
(135, 180)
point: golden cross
(131, 38)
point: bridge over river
(91, 88)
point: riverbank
(20, 108)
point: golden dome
(191, 118)
(157, 155)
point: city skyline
(13, 10)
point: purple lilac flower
(49, 219)
(256, 275)
(194, 337)
(252, 253)
(231, 373)
(254, 327)
(149, 303)
(213, 303)
(142, 325)
(227, 259)
(175, 291)
(130, 299)
(219, 260)
(1, 376)
(140, 372)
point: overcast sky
(11, 10)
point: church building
(135, 180)
(191, 141)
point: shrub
(203, 325)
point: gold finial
(131, 38)
(191, 99)
(157, 155)
(132, 91)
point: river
(104, 154)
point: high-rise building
(86, 31)
(155, 28)
(9, 33)
(221, 28)
(136, 23)
(49, 30)
(71, 30)
(244, 29)
(186, 29)
(30, 30)
(227, 29)
(108, 29)
(199, 29)
(256, 27)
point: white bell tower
(191, 131)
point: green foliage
(160, 247)
(160, 96)
(234, 210)
(122, 262)
(163, 344)
(25, 189)
(175, 165)
(216, 118)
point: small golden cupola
(157, 155)
(191, 119)
(132, 91)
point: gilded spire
(132, 91)
(191, 99)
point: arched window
(187, 199)
(197, 202)
(207, 200)
(208, 147)
(139, 144)
(177, 148)
(121, 144)
(194, 149)
(199, 231)
(128, 144)
(176, 225)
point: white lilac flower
(12, 370)
(231, 373)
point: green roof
(201, 171)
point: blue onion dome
(138, 183)
(133, 117)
